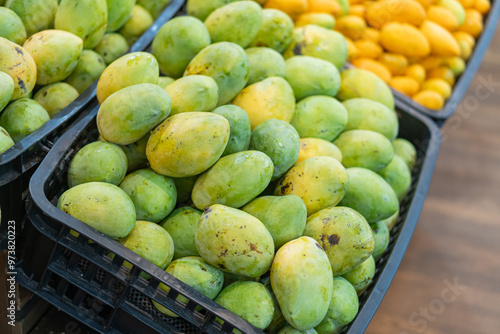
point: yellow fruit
(351, 26)
(442, 73)
(372, 34)
(405, 85)
(464, 36)
(292, 7)
(455, 7)
(405, 39)
(467, 3)
(442, 42)
(430, 63)
(357, 10)
(417, 72)
(406, 11)
(352, 50)
(395, 63)
(482, 6)
(438, 85)
(321, 19)
(368, 49)
(373, 66)
(331, 7)
(465, 49)
(429, 99)
(426, 3)
(455, 64)
(473, 23)
(443, 17)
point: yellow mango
(405, 39)
(351, 26)
(464, 36)
(442, 42)
(482, 6)
(358, 10)
(372, 34)
(430, 63)
(368, 49)
(405, 85)
(455, 64)
(395, 63)
(465, 50)
(407, 11)
(373, 66)
(321, 19)
(467, 3)
(417, 72)
(455, 7)
(429, 99)
(331, 7)
(352, 50)
(473, 23)
(292, 7)
(442, 16)
(426, 3)
(442, 73)
(438, 85)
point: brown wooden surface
(458, 233)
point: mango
(239, 125)
(290, 330)
(327, 6)
(456, 8)
(367, 49)
(163, 82)
(429, 99)
(405, 85)
(319, 181)
(130, 113)
(88, 70)
(404, 39)
(234, 241)
(278, 321)
(482, 6)
(370, 195)
(37, 15)
(111, 47)
(473, 23)
(136, 154)
(380, 13)
(291, 7)
(276, 31)
(193, 93)
(181, 225)
(55, 97)
(395, 63)
(405, 150)
(6, 89)
(187, 144)
(373, 66)
(264, 63)
(102, 206)
(464, 36)
(118, 13)
(154, 7)
(234, 180)
(443, 17)
(202, 8)
(23, 117)
(184, 186)
(12, 27)
(128, 70)
(417, 72)
(138, 23)
(465, 50)
(315, 147)
(6, 141)
(442, 73)
(372, 34)
(381, 236)
(20, 66)
(455, 64)
(226, 63)
(392, 220)
(352, 50)
(178, 41)
(438, 85)
(324, 20)
(362, 275)
(302, 281)
(351, 26)
(441, 41)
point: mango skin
(397, 174)
(276, 31)
(290, 330)
(7, 89)
(136, 154)
(345, 236)
(178, 41)
(302, 282)
(226, 63)
(118, 13)
(315, 147)
(381, 236)
(163, 82)
(102, 206)
(154, 7)
(12, 27)
(319, 117)
(56, 54)
(392, 220)
(239, 125)
(234, 180)
(370, 195)
(249, 300)
(181, 225)
(184, 187)
(187, 144)
(88, 70)
(267, 99)
(6, 141)
(264, 63)
(361, 275)
(201, 9)
(319, 181)
(111, 47)
(97, 162)
(154, 195)
(193, 93)
(24, 74)
(234, 241)
(37, 15)
(23, 117)
(311, 76)
(405, 150)
(284, 216)
(365, 148)
(55, 97)
(131, 69)
(279, 141)
(129, 114)
(138, 23)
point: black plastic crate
(18, 163)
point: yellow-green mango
(87, 19)
(111, 47)
(187, 144)
(136, 154)
(311, 76)
(181, 225)
(88, 70)
(97, 162)
(264, 63)
(138, 23)
(240, 130)
(132, 112)
(284, 216)
(178, 41)
(365, 148)
(397, 174)
(20, 66)
(455, 7)
(154, 7)
(319, 181)
(290, 330)
(302, 281)
(381, 237)
(37, 15)
(202, 8)
(102, 206)
(278, 321)
(392, 220)
(275, 31)
(406, 151)
(345, 236)
(7, 89)
(315, 147)
(163, 82)
(370, 195)
(12, 27)
(324, 20)
(234, 180)
(23, 117)
(267, 99)
(226, 63)
(118, 13)
(184, 187)
(319, 117)
(131, 69)
(234, 241)
(56, 54)
(356, 82)
(362, 275)
(55, 97)
(6, 141)
(193, 93)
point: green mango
(6, 141)
(234, 241)
(392, 220)
(302, 282)
(138, 23)
(163, 82)
(320, 181)
(88, 70)
(23, 117)
(37, 15)
(97, 162)
(193, 93)
(234, 180)
(381, 236)
(7, 89)
(370, 195)
(181, 225)
(278, 321)
(276, 31)
(154, 7)
(184, 187)
(362, 275)
(315, 147)
(118, 13)
(20, 66)
(202, 8)
(154, 195)
(226, 63)
(319, 117)
(290, 330)
(132, 112)
(102, 206)
(279, 141)
(311, 76)
(345, 236)
(264, 63)
(240, 130)
(398, 176)
(111, 47)
(12, 27)
(406, 151)
(55, 97)
(136, 154)
(178, 41)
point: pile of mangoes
(268, 185)
(418, 47)
(51, 51)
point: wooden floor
(457, 238)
